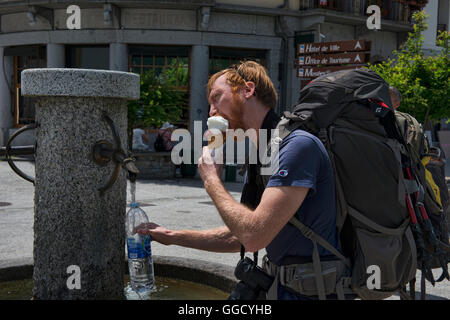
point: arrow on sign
(332, 59)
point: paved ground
(177, 204)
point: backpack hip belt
(302, 278)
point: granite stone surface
(80, 83)
(74, 224)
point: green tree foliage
(422, 80)
(161, 99)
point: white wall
(383, 43)
(337, 32)
(429, 35)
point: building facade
(198, 37)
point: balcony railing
(396, 10)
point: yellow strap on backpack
(430, 180)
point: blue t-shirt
(304, 162)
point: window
(302, 37)
(170, 61)
(87, 57)
(25, 57)
(222, 58)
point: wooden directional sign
(336, 46)
(330, 59)
(312, 72)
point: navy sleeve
(299, 163)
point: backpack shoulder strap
(402, 122)
(412, 133)
(314, 237)
(286, 126)
(283, 129)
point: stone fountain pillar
(78, 231)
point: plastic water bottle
(140, 262)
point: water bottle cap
(134, 205)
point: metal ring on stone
(115, 132)
(117, 154)
(8, 149)
(112, 180)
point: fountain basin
(216, 281)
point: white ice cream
(217, 126)
(217, 122)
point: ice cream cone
(216, 140)
(216, 134)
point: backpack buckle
(303, 116)
(331, 135)
(323, 135)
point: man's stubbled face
(237, 113)
(226, 103)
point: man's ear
(249, 90)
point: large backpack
(350, 111)
(428, 163)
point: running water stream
(133, 191)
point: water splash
(131, 294)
